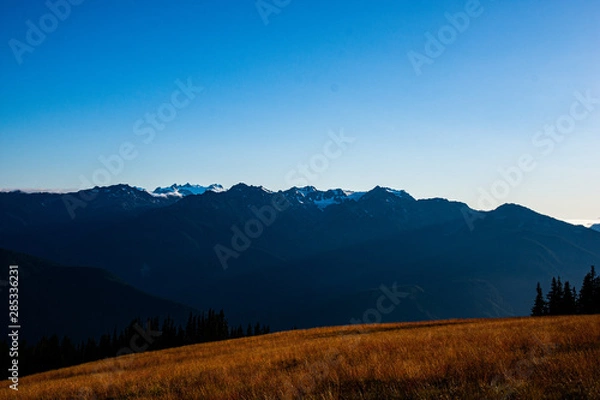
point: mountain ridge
(169, 194)
(285, 251)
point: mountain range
(303, 257)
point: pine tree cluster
(563, 299)
(53, 353)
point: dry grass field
(518, 358)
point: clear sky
(434, 97)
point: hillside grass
(517, 358)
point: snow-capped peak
(354, 195)
(186, 190)
(304, 191)
(308, 195)
(322, 199)
(399, 193)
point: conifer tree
(554, 298)
(595, 292)
(560, 297)
(539, 306)
(588, 293)
(569, 301)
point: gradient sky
(273, 93)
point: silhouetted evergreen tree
(222, 325)
(596, 295)
(104, 346)
(569, 300)
(47, 353)
(588, 293)
(90, 352)
(68, 352)
(560, 297)
(554, 298)
(114, 342)
(539, 306)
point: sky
(484, 102)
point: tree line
(51, 353)
(563, 299)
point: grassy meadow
(517, 358)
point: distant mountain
(187, 190)
(29, 221)
(322, 199)
(306, 257)
(19, 209)
(304, 195)
(312, 196)
(78, 302)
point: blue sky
(274, 93)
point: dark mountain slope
(77, 301)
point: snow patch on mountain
(321, 199)
(400, 193)
(186, 190)
(354, 195)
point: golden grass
(518, 358)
